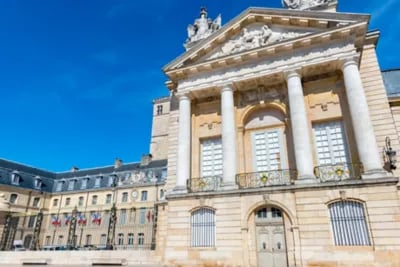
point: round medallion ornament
(135, 194)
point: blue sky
(77, 78)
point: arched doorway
(271, 247)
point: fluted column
(183, 157)
(228, 136)
(300, 128)
(364, 133)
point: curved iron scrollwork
(266, 178)
(204, 184)
(339, 172)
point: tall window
(106, 217)
(120, 239)
(108, 198)
(36, 202)
(88, 239)
(60, 240)
(122, 217)
(211, 157)
(142, 216)
(202, 228)
(159, 109)
(110, 180)
(67, 201)
(103, 239)
(55, 202)
(144, 196)
(80, 201)
(349, 225)
(31, 222)
(330, 143)
(124, 197)
(267, 150)
(13, 198)
(94, 200)
(141, 239)
(130, 238)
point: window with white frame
(122, 218)
(349, 224)
(108, 198)
(120, 239)
(94, 200)
(141, 239)
(330, 143)
(142, 215)
(131, 238)
(71, 184)
(124, 198)
(97, 182)
(110, 180)
(15, 178)
(268, 150)
(80, 201)
(202, 227)
(103, 239)
(84, 183)
(38, 183)
(143, 196)
(211, 157)
(67, 201)
(59, 186)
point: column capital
(292, 73)
(227, 87)
(348, 62)
(183, 96)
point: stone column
(300, 129)
(183, 157)
(228, 137)
(363, 130)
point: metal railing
(204, 184)
(266, 178)
(339, 172)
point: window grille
(203, 228)
(349, 225)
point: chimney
(117, 163)
(146, 159)
(74, 169)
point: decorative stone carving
(254, 38)
(260, 94)
(305, 4)
(202, 28)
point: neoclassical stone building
(276, 147)
(280, 143)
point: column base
(180, 190)
(306, 179)
(375, 174)
(229, 186)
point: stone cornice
(291, 188)
(305, 19)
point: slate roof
(49, 180)
(391, 79)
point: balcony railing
(339, 172)
(204, 184)
(266, 178)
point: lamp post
(390, 153)
(113, 217)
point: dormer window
(15, 178)
(110, 180)
(71, 185)
(84, 182)
(59, 186)
(38, 183)
(159, 109)
(97, 182)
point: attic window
(38, 183)
(97, 181)
(59, 186)
(15, 178)
(84, 182)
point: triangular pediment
(257, 30)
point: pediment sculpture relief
(251, 38)
(304, 4)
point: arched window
(13, 198)
(202, 228)
(349, 225)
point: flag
(55, 221)
(96, 218)
(150, 216)
(67, 219)
(82, 219)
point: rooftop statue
(201, 28)
(305, 4)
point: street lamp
(391, 154)
(113, 216)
